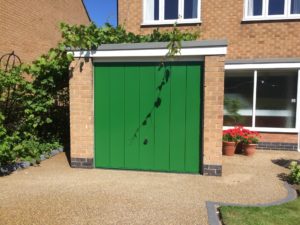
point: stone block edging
(212, 207)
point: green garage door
(147, 116)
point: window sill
(268, 129)
(271, 18)
(161, 23)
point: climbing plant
(35, 112)
(90, 37)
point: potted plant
(250, 140)
(231, 138)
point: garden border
(10, 168)
(213, 213)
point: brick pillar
(81, 113)
(213, 115)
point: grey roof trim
(162, 45)
(259, 61)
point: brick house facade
(224, 20)
(250, 56)
(250, 41)
(85, 138)
(31, 28)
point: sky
(102, 11)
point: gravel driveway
(53, 193)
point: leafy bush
(294, 175)
(91, 36)
(25, 112)
(7, 152)
(34, 115)
(13, 149)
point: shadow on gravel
(67, 151)
(284, 162)
(285, 177)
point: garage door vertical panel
(102, 118)
(192, 119)
(147, 98)
(177, 118)
(117, 116)
(147, 116)
(162, 118)
(132, 115)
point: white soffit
(151, 52)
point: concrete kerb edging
(212, 207)
(5, 170)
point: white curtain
(250, 8)
(149, 10)
(295, 7)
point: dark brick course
(82, 163)
(277, 146)
(212, 170)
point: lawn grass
(285, 214)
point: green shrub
(13, 149)
(294, 175)
(32, 149)
(7, 153)
(34, 115)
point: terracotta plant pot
(228, 148)
(249, 149)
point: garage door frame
(212, 52)
(185, 168)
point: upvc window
(171, 11)
(262, 99)
(271, 9)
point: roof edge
(86, 11)
(162, 45)
(158, 45)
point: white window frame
(265, 11)
(180, 20)
(255, 68)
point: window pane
(238, 100)
(171, 9)
(156, 9)
(190, 9)
(255, 7)
(276, 98)
(276, 7)
(151, 10)
(295, 6)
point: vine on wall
(35, 114)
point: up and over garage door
(147, 116)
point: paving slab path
(53, 193)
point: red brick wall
(213, 109)
(31, 27)
(279, 137)
(82, 112)
(82, 109)
(223, 20)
